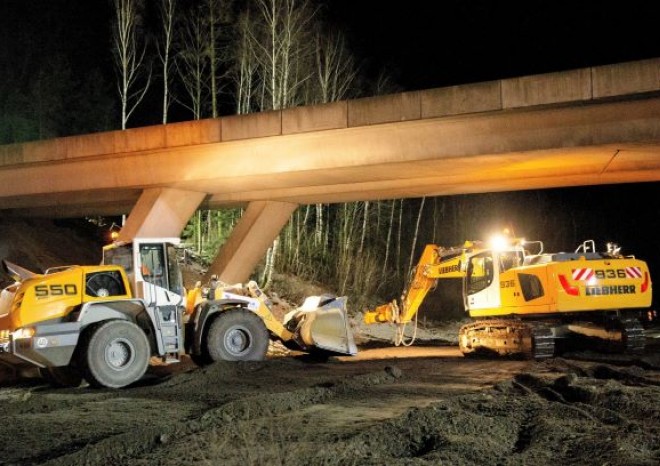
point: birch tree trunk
(192, 64)
(318, 225)
(213, 22)
(267, 275)
(167, 15)
(365, 217)
(398, 238)
(414, 243)
(129, 56)
(335, 67)
(388, 240)
(247, 66)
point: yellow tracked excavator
(523, 303)
(104, 323)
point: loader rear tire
(114, 354)
(237, 335)
(61, 377)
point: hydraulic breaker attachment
(385, 313)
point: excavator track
(543, 343)
(633, 340)
(506, 337)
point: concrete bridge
(588, 126)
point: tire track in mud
(603, 415)
(288, 412)
(152, 445)
(526, 420)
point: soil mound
(38, 244)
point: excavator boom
(435, 263)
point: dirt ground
(414, 405)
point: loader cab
(151, 267)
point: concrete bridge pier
(260, 224)
(164, 212)
(160, 213)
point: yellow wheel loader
(523, 303)
(104, 323)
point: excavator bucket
(321, 323)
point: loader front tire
(114, 354)
(237, 335)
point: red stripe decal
(571, 290)
(645, 283)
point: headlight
(4, 334)
(26, 332)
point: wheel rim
(237, 340)
(119, 354)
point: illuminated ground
(420, 405)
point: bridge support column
(252, 236)
(160, 213)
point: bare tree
(279, 36)
(414, 243)
(218, 12)
(388, 240)
(246, 66)
(335, 66)
(192, 61)
(167, 9)
(365, 218)
(129, 53)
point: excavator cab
(488, 271)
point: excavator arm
(435, 263)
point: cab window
(122, 256)
(153, 265)
(509, 260)
(174, 272)
(479, 273)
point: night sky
(421, 43)
(437, 43)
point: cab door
(160, 287)
(481, 283)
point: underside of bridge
(590, 126)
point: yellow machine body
(575, 286)
(51, 296)
(512, 293)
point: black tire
(114, 354)
(237, 335)
(201, 359)
(65, 376)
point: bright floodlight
(498, 242)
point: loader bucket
(322, 324)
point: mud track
(412, 406)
